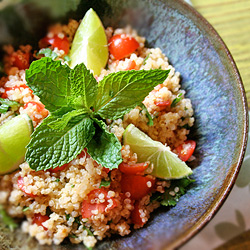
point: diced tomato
(58, 169)
(135, 215)
(163, 104)
(186, 150)
(137, 168)
(122, 45)
(56, 42)
(4, 95)
(20, 184)
(39, 219)
(131, 65)
(39, 106)
(107, 170)
(20, 59)
(92, 203)
(138, 186)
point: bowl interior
(211, 82)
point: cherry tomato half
(135, 215)
(20, 184)
(39, 219)
(20, 60)
(92, 203)
(138, 186)
(56, 42)
(186, 150)
(122, 45)
(137, 168)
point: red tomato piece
(92, 203)
(56, 42)
(131, 65)
(40, 107)
(163, 103)
(135, 215)
(186, 150)
(20, 60)
(20, 184)
(137, 168)
(107, 170)
(39, 219)
(4, 95)
(58, 169)
(138, 186)
(122, 45)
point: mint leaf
(104, 147)
(47, 52)
(178, 187)
(176, 100)
(6, 104)
(7, 220)
(50, 81)
(50, 148)
(61, 122)
(120, 92)
(83, 86)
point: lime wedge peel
(90, 45)
(15, 135)
(165, 164)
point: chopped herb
(72, 236)
(150, 118)
(7, 220)
(176, 100)
(67, 216)
(57, 180)
(178, 188)
(185, 108)
(26, 209)
(186, 126)
(6, 104)
(66, 59)
(79, 105)
(88, 230)
(109, 222)
(72, 186)
(104, 183)
(47, 52)
(146, 58)
(78, 221)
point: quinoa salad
(84, 199)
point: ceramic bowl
(210, 79)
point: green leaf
(61, 122)
(120, 92)
(47, 52)
(7, 220)
(83, 86)
(104, 147)
(150, 118)
(50, 148)
(176, 100)
(104, 183)
(50, 81)
(6, 104)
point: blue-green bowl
(211, 81)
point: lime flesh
(15, 135)
(90, 44)
(166, 164)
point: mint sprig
(78, 104)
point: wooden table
(231, 19)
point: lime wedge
(166, 164)
(90, 44)
(14, 137)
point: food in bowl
(107, 149)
